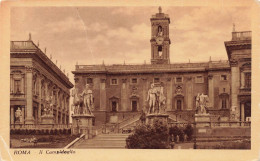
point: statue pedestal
(47, 121)
(152, 118)
(83, 124)
(202, 120)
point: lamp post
(195, 134)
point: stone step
(99, 147)
(105, 141)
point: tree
(153, 136)
(189, 131)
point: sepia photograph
(140, 81)
(130, 77)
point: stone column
(169, 94)
(242, 112)
(123, 96)
(40, 100)
(29, 96)
(235, 82)
(211, 90)
(12, 114)
(189, 90)
(23, 113)
(103, 97)
(242, 80)
(145, 90)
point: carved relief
(178, 90)
(29, 68)
(233, 62)
(124, 80)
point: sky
(91, 35)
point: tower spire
(160, 9)
(234, 27)
(30, 37)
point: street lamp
(195, 134)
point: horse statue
(77, 101)
(162, 101)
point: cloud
(68, 24)
(139, 32)
(115, 34)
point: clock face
(159, 40)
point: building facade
(120, 91)
(33, 79)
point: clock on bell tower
(160, 41)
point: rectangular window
(114, 106)
(224, 77)
(17, 86)
(199, 79)
(134, 105)
(179, 104)
(224, 103)
(134, 80)
(248, 80)
(156, 80)
(114, 81)
(178, 79)
(89, 80)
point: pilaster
(211, 90)
(124, 95)
(102, 95)
(29, 96)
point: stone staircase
(130, 123)
(104, 141)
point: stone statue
(162, 101)
(48, 106)
(160, 32)
(202, 103)
(87, 100)
(77, 101)
(151, 99)
(18, 115)
(156, 100)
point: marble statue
(77, 101)
(48, 106)
(87, 100)
(18, 115)
(151, 98)
(202, 103)
(156, 100)
(160, 32)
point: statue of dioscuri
(77, 101)
(156, 100)
(87, 100)
(202, 103)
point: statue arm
(148, 96)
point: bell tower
(160, 41)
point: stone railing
(213, 124)
(22, 45)
(245, 35)
(32, 126)
(244, 90)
